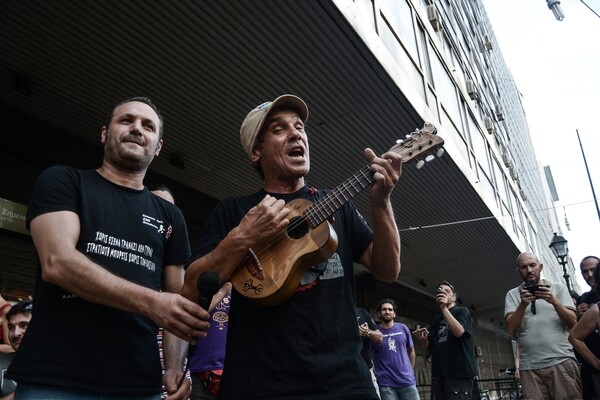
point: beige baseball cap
(255, 119)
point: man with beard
(110, 268)
(394, 356)
(451, 347)
(540, 313)
(588, 265)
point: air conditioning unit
(489, 124)
(472, 90)
(513, 173)
(506, 160)
(522, 193)
(487, 43)
(434, 17)
(499, 112)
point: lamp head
(554, 5)
(559, 246)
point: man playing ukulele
(306, 346)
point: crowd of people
(115, 266)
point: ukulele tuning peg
(420, 164)
(440, 152)
(429, 127)
(408, 136)
(429, 158)
(400, 141)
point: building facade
(370, 70)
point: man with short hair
(540, 313)
(110, 270)
(162, 191)
(305, 345)
(451, 346)
(587, 266)
(394, 356)
(17, 319)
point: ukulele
(271, 275)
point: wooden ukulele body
(284, 261)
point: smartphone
(532, 288)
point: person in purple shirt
(394, 357)
(208, 359)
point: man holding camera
(539, 314)
(450, 344)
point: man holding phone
(450, 344)
(539, 314)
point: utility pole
(588, 174)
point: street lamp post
(560, 250)
(554, 6)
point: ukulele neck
(336, 198)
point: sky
(556, 67)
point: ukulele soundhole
(297, 228)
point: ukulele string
(315, 210)
(324, 207)
(332, 196)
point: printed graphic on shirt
(392, 344)
(221, 314)
(157, 224)
(443, 332)
(121, 249)
(330, 269)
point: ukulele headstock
(423, 145)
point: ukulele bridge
(253, 264)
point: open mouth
(297, 152)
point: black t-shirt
(7, 386)
(363, 316)
(593, 340)
(452, 357)
(589, 298)
(307, 347)
(74, 343)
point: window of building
(398, 15)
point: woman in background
(589, 324)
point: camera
(440, 290)
(532, 288)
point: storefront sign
(12, 216)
